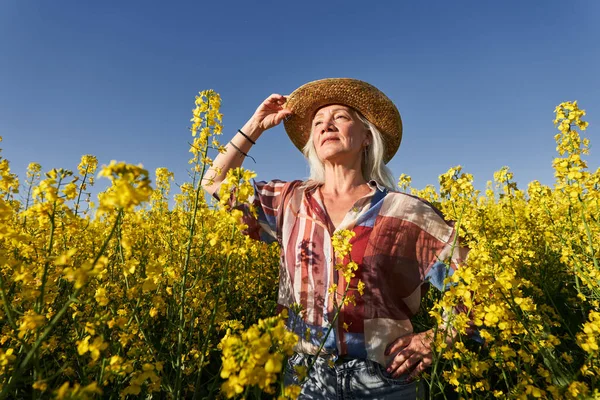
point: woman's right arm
(269, 114)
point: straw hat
(366, 98)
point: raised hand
(271, 112)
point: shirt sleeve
(267, 200)
(262, 212)
(438, 248)
(262, 218)
(446, 255)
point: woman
(347, 130)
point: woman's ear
(369, 138)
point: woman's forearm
(270, 113)
(232, 158)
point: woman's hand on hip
(271, 112)
(412, 354)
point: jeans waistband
(341, 363)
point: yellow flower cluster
(130, 187)
(237, 185)
(206, 120)
(256, 356)
(67, 392)
(588, 339)
(342, 248)
(9, 182)
(341, 243)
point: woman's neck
(341, 181)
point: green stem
(5, 303)
(102, 371)
(213, 317)
(588, 234)
(329, 329)
(81, 189)
(40, 305)
(178, 366)
(564, 243)
(135, 308)
(30, 186)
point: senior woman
(347, 130)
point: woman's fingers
(275, 99)
(283, 114)
(413, 354)
(417, 371)
(271, 112)
(399, 359)
(273, 102)
(406, 365)
(275, 96)
(398, 344)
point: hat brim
(363, 97)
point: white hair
(373, 167)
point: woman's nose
(326, 125)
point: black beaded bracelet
(246, 136)
(245, 154)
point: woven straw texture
(366, 98)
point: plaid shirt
(400, 244)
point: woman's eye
(336, 117)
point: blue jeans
(350, 378)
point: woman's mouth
(329, 140)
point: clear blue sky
(476, 82)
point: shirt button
(355, 209)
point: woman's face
(338, 135)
